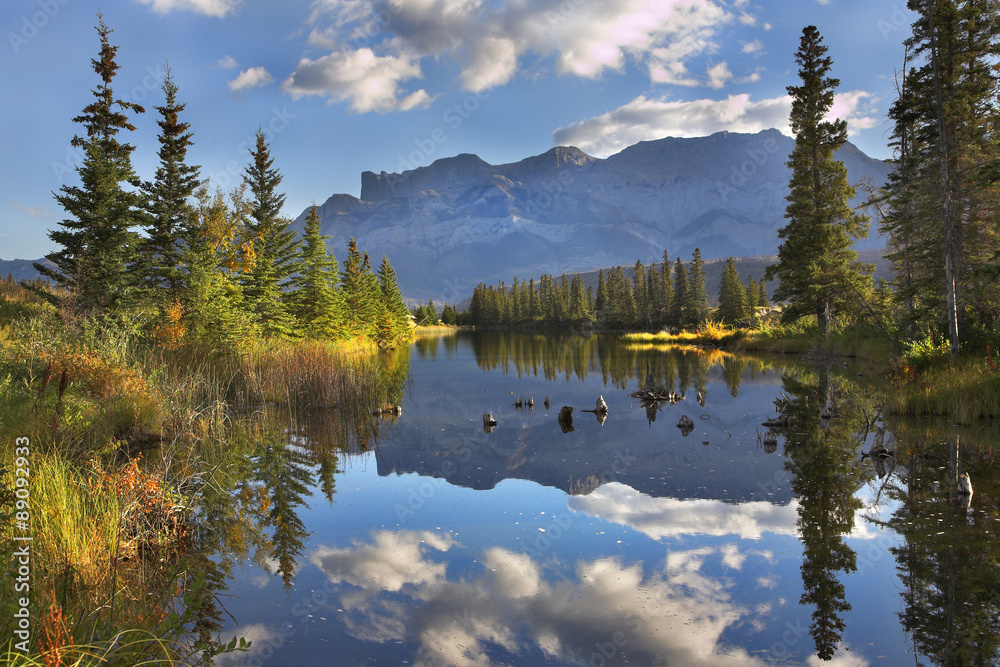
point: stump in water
(965, 485)
(546, 402)
(685, 425)
(488, 422)
(566, 418)
(601, 407)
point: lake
(426, 539)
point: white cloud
(367, 81)
(756, 46)
(644, 119)
(391, 562)
(226, 62)
(32, 211)
(253, 77)
(671, 517)
(217, 8)
(719, 75)
(386, 40)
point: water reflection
(820, 453)
(419, 538)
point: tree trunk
(950, 251)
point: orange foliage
(56, 643)
(172, 329)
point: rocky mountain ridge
(460, 220)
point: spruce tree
(678, 305)
(815, 260)
(314, 300)
(732, 297)
(601, 298)
(167, 203)
(752, 294)
(392, 300)
(666, 290)
(275, 246)
(97, 246)
(697, 300)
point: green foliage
(732, 296)
(815, 260)
(166, 206)
(96, 242)
(314, 300)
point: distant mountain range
(461, 220)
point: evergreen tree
(448, 315)
(97, 246)
(601, 299)
(696, 302)
(430, 314)
(678, 305)
(579, 310)
(394, 308)
(815, 257)
(534, 304)
(732, 296)
(752, 293)
(762, 299)
(314, 300)
(359, 293)
(274, 243)
(640, 295)
(666, 291)
(167, 203)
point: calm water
(423, 540)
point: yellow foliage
(172, 329)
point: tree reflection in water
(820, 453)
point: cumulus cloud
(217, 8)
(226, 62)
(671, 517)
(253, 77)
(489, 43)
(367, 81)
(645, 118)
(674, 614)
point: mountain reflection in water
(420, 539)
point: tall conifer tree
(815, 260)
(167, 203)
(97, 245)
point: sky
(344, 86)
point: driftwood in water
(388, 410)
(965, 485)
(488, 422)
(777, 422)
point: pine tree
(430, 314)
(167, 200)
(752, 294)
(359, 297)
(97, 246)
(732, 296)
(448, 315)
(696, 303)
(666, 291)
(815, 257)
(314, 300)
(275, 243)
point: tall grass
(965, 391)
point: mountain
(22, 269)
(447, 226)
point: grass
(965, 391)
(110, 525)
(709, 334)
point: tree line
(668, 294)
(212, 267)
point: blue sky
(343, 86)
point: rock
(546, 402)
(566, 414)
(601, 407)
(488, 419)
